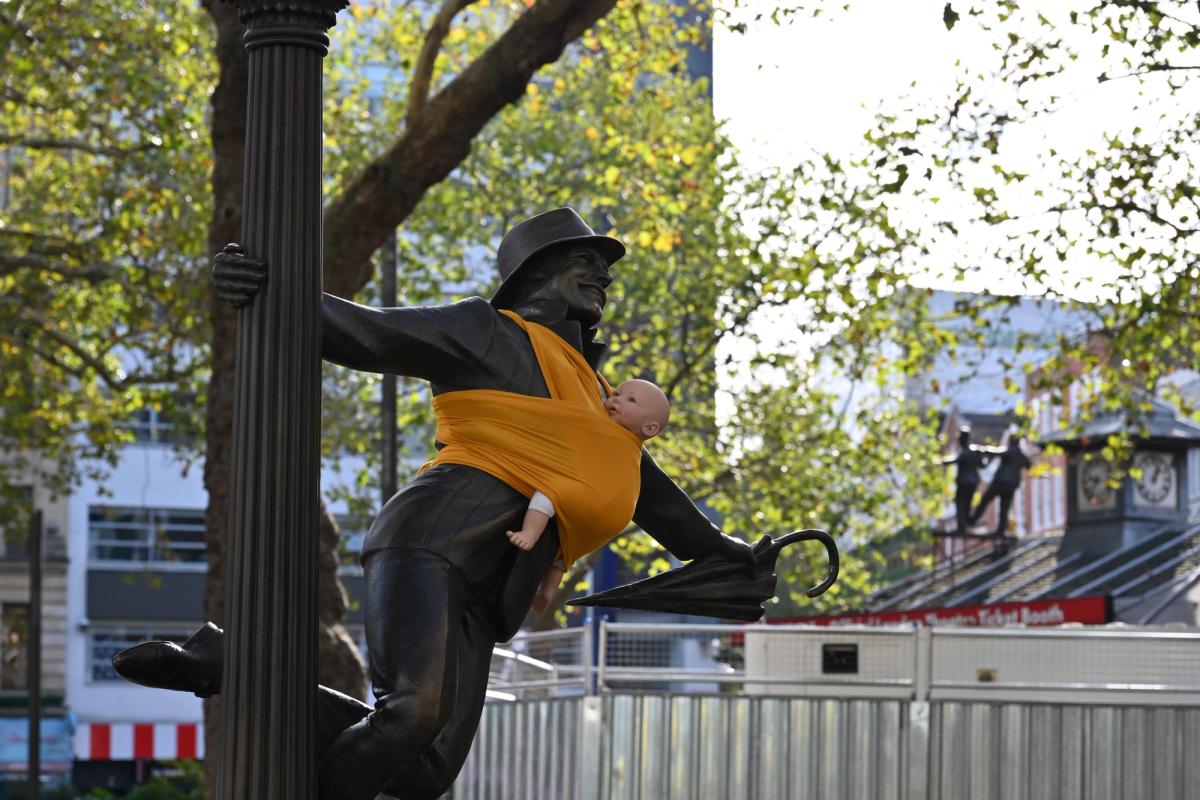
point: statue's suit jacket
(461, 512)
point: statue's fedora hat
(526, 239)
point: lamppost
(387, 415)
(270, 671)
(33, 657)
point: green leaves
(105, 167)
(949, 17)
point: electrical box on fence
(787, 660)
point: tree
(1116, 219)
(615, 127)
(103, 201)
(1108, 226)
(143, 307)
(714, 246)
(992, 179)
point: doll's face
(639, 406)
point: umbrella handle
(831, 575)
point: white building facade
(136, 571)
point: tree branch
(701, 353)
(440, 136)
(91, 273)
(89, 360)
(50, 143)
(94, 362)
(1147, 7)
(1154, 216)
(1105, 77)
(25, 32)
(422, 76)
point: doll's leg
(545, 593)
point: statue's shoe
(194, 667)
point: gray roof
(1161, 423)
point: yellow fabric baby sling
(564, 446)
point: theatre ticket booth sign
(1095, 610)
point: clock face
(1094, 491)
(1155, 485)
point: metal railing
(542, 664)
(1069, 665)
(752, 712)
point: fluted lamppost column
(270, 672)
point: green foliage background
(102, 269)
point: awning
(126, 741)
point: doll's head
(640, 407)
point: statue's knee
(412, 716)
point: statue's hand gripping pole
(237, 276)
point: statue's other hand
(237, 276)
(737, 551)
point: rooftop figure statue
(969, 460)
(1004, 483)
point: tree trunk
(340, 665)
(228, 138)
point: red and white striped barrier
(126, 741)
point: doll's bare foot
(523, 539)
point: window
(136, 535)
(16, 504)
(151, 425)
(14, 628)
(104, 643)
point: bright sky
(815, 85)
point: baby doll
(638, 406)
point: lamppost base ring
(293, 35)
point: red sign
(1087, 610)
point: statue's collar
(553, 315)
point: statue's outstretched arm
(423, 342)
(666, 512)
(429, 342)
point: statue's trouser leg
(335, 713)
(962, 505)
(987, 498)
(1006, 499)
(414, 609)
(435, 769)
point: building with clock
(1109, 508)
(1097, 542)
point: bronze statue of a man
(443, 583)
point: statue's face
(580, 281)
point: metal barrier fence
(753, 712)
